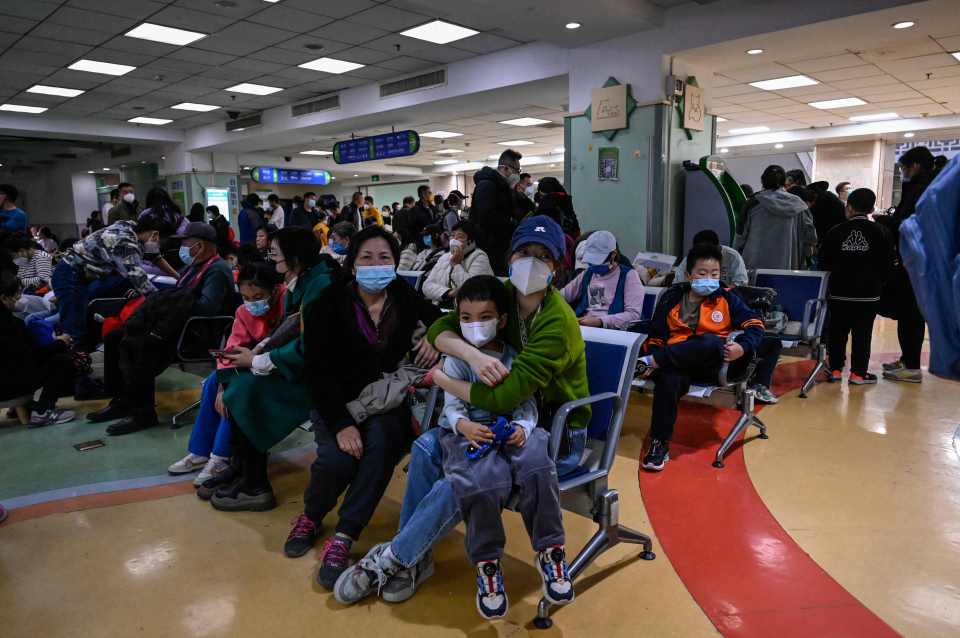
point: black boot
(113, 410)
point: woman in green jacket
(264, 395)
(551, 366)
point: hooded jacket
(446, 276)
(778, 232)
(493, 212)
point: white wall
(747, 170)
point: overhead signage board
(273, 175)
(377, 147)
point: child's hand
(476, 433)
(518, 438)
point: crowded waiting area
(480, 318)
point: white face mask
(530, 275)
(129, 197)
(455, 243)
(530, 191)
(479, 333)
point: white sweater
(445, 276)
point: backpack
(763, 302)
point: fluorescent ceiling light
(874, 117)
(573, 25)
(54, 90)
(271, 0)
(253, 89)
(237, 130)
(355, 175)
(515, 143)
(107, 68)
(724, 150)
(446, 161)
(789, 82)
(441, 135)
(330, 65)
(778, 146)
(156, 121)
(449, 151)
(316, 152)
(842, 103)
(107, 168)
(722, 119)
(559, 149)
(21, 108)
(191, 106)
(906, 24)
(493, 157)
(91, 172)
(749, 130)
(166, 35)
(754, 51)
(439, 32)
(525, 121)
(908, 134)
(956, 54)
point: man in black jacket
(423, 214)
(352, 211)
(307, 215)
(917, 169)
(827, 209)
(493, 208)
(858, 255)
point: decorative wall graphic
(694, 109)
(629, 106)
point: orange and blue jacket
(721, 313)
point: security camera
(233, 115)
(287, 158)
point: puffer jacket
(445, 276)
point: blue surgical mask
(338, 248)
(428, 241)
(705, 287)
(257, 308)
(373, 279)
(185, 255)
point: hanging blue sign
(378, 147)
(271, 175)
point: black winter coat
(493, 211)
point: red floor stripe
(746, 573)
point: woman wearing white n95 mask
(463, 261)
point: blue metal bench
(412, 277)
(803, 296)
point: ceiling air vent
(415, 83)
(243, 122)
(323, 104)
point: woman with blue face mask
(339, 241)
(609, 293)
(261, 288)
(363, 326)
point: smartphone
(88, 445)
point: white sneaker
(190, 463)
(50, 417)
(213, 467)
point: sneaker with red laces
(862, 379)
(334, 560)
(836, 376)
(302, 537)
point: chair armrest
(811, 315)
(722, 377)
(225, 319)
(563, 412)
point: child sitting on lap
(483, 485)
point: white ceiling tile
(299, 44)
(205, 58)
(917, 48)
(382, 16)
(349, 32)
(759, 72)
(67, 50)
(849, 73)
(90, 20)
(406, 64)
(242, 38)
(363, 55)
(871, 81)
(104, 54)
(138, 46)
(335, 8)
(917, 68)
(254, 67)
(291, 19)
(292, 58)
(76, 79)
(485, 43)
(826, 63)
(12, 24)
(48, 62)
(737, 89)
(950, 43)
(67, 33)
(32, 10)
(237, 9)
(137, 9)
(184, 18)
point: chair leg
(741, 425)
(610, 533)
(760, 426)
(817, 369)
(190, 408)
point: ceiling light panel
(525, 121)
(515, 143)
(54, 90)
(445, 162)
(106, 68)
(253, 89)
(165, 35)
(331, 65)
(789, 82)
(750, 130)
(842, 103)
(449, 151)
(441, 135)
(439, 32)
(154, 121)
(316, 152)
(874, 117)
(22, 108)
(192, 106)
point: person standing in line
(858, 255)
(493, 208)
(277, 214)
(109, 204)
(250, 220)
(127, 206)
(917, 168)
(12, 218)
(843, 190)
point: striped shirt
(112, 250)
(36, 273)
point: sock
(389, 562)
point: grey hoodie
(778, 233)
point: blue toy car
(502, 430)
